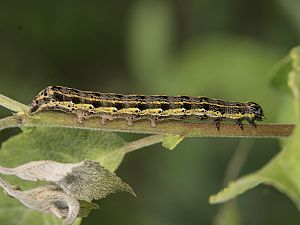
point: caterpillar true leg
(240, 123)
(251, 122)
(217, 122)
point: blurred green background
(221, 49)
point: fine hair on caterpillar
(108, 106)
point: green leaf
(295, 56)
(283, 171)
(58, 144)
(236, 188)
(280, 73)
(281, 70)
(85, 208)
(171, 141)
(17, 214)
(63, 145)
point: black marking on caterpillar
(108, 106)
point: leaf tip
(171, 141)
(219, 197)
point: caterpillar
(108, 106)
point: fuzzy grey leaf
(86, 180)
(40, 170)
(48, 199)
(91, 181)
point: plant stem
(58, 119)
(186, 129)
(11, 121)
(237, 160)
(12, 105)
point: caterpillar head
(43, 97)
(256, 110)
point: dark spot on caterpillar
(90, 107)
(75, 91)
(58, 97)
(33, 108)
(184, 97)
(215, 108)
(129, 97)
(57, 88)
(97, 94)
(119, 105)
(76, 100)
(45, 93)
(165, 106)
(165, 97)
(222, 110)
(53, 88)
(218, 103)
(141, 106)
(205, 106)
(238, 110)
(141, 97)
(96, 104)
(186, 106)
(236, 104)
(119, 96)
(203, 99)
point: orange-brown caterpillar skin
(108, 106)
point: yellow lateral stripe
(146, 112)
